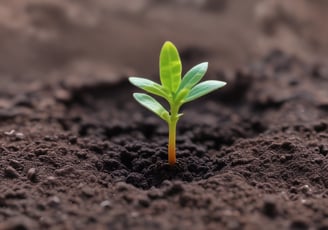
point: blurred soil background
(80, 41)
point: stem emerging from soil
(172, 137)
(172, 134)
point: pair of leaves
(175, 90)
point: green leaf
(151, 104)
(148, 85)
(181, 95)
(203, 88)
(193, 76)
(170, 67)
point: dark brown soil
(82, 154)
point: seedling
(174, 90)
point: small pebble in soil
(64, 171)
(87, 192)
(62, 95)
(31, 174)
(10, 133)
(51, 180)
(106, 204)
(54, 201)
(19, 136)
(305, 189)
(10, 172)
(305, 202)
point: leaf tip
(137, 95)
(132, 80)
(219, 84)
(204, 66)
(168, 43)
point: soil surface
(77, 152)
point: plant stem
(172, 140)
(172, 134)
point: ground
(77, 152)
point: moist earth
(87, 156)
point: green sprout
(174, 90)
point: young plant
(174, 90)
